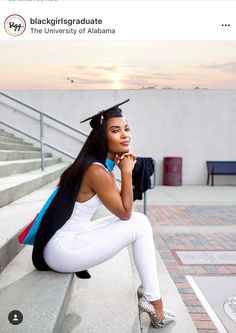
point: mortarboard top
(113, 111)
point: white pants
(78, 251)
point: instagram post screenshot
(117, 166)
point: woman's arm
(102, 182)
(127, 190)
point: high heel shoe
(166, 311)
(146, 306)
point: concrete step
(16, 186)
(16, 216)
(9, 155)
(171, 300)
(17, 146)
(40, 296)
(105, 303)
(4, 133)
(8, 168)
(9, 139)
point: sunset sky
(118, 65)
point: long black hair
(95, 148)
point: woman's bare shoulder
(96, 166)
(97, 170)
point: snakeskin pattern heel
(146, 306)
(166, 311)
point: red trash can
(172, 171)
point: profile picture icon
(15, 25)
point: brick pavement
(191, 215)
(168, 243)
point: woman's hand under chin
(125, 161)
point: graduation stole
(110, 164)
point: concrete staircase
(56, 302)
(22, 194)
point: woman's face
(118, 135)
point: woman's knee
(139, 216)
(142, 222)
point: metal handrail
(44, 143)
(36, 139)
(47, 124)
(42, 115)
(152, 186)
(45, 114)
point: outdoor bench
(220, 168)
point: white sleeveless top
(82, 213)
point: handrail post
(145, 204)
(154, 176)
(41, 141)
(145, 194)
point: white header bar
(117, 20)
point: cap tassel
(101, 119)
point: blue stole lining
(110, 164)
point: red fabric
(26, 230)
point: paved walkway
(201, 219)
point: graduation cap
(113, 111)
